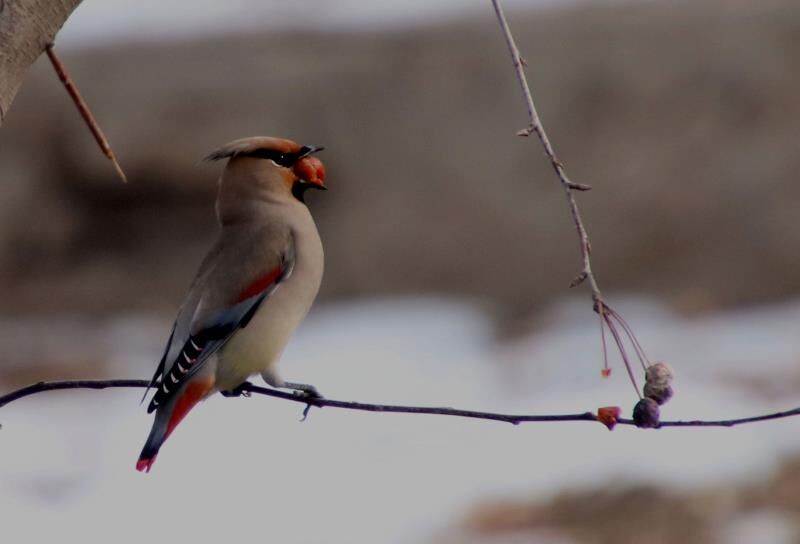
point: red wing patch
(259, 285)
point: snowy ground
(248, 466)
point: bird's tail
(168, 417)
(158, 434)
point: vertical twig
(83, 109)
(535, 125)
(608, 316)
(606, 371)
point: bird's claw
(310, 395)
(239, 391)
(303, 390)
(306, 410)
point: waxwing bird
(253, 288)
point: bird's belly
(259, 345)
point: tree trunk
(26, 27)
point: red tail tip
(143, 465)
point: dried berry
(608, 416)
(658, 394)
(659, 374)
(646, 414)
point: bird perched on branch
(253, 288)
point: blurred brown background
(683, 116)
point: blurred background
(449, 251)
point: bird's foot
(239, 391)
(306, 392)
(303, 390)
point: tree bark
(26, 27)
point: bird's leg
(238, 391)
(306, 392)
(300, 389)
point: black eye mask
(287, 160)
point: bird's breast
(258, 346)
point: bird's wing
(242, 270)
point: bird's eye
(284, 160)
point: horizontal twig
(514, 419)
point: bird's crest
(255, 146)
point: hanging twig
(586, 274)
(83, 109)
(535, 125)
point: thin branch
(586, 274)
(535, 125)
(637, 346)
(621, 347)
(83, 109)
(248, 389)
(41, 387)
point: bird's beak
(311, 171)
(307, 150)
